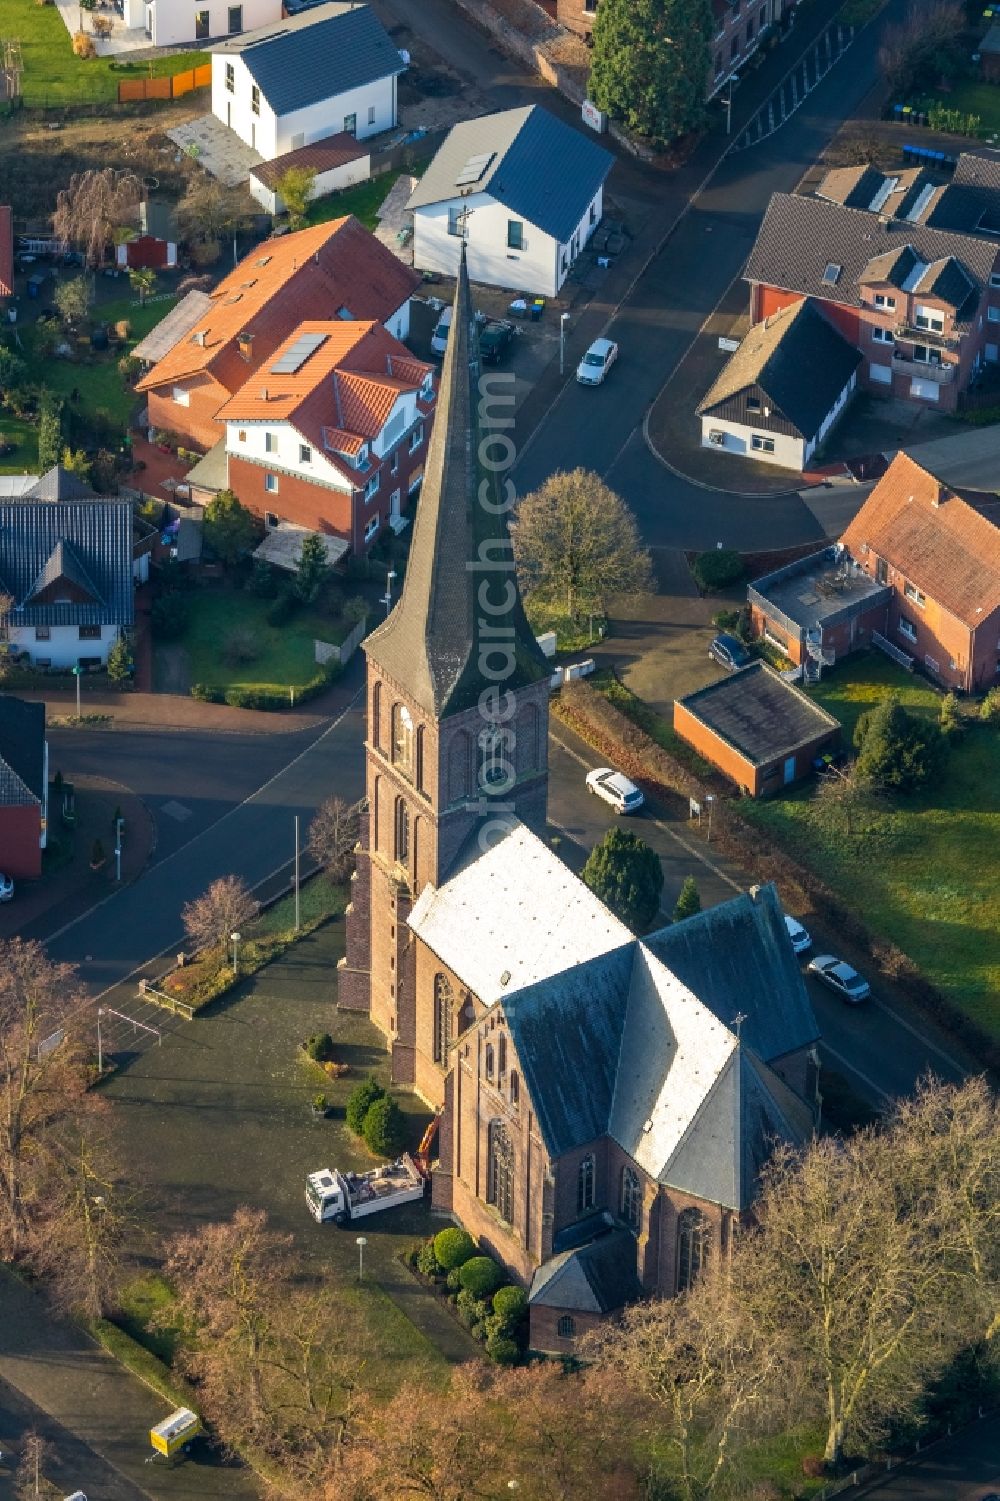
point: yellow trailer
(175, 1431)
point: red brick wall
(543, 1329)
(715, 750)
(939, 635)
(20, 850)
(297, 500)
(194, 423)
(986, 654)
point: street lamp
(118, 848)
(387, 596)
(732, 81)
(361, 1242)
(236, 952)
(563, 321)
(78, 673)
(710, 800)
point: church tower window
(490, 1060)
(444, 1017)
(631, 1199)
(693, 1235)
(585, 1184)
(402, 740)
(375, 728)
(515, 1089)
(502, 1057)
(500, 1171)
(402, 831)
(495, 769)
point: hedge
(269, 699)
(453, 1248)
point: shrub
(384, 1129)
(427, 1262)
(950, 717)
(898, 750)
(481, 1276)
(471, 1310)
(84, 45)
(169, 616)
(206, 695)
(718, 569)
(502, 1350)
(510, 1307)
(453, 1281)
(263, 580)
(240, 645)
(727, 620)
(285, 605)
(689, 901)
(320, 1047)
(989, 709)
(453, 1247)
(360, 1101)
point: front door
(789, 770)
(201, 23)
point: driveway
(219, 150)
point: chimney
(938, 496)
(263, 394)
(199, 337)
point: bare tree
(847, 803)
(221, 910)
(925, 45)
(333, 834)
(36, 1453)
(93, 206)
(208, 211)
(42, 1079)
(577, 542)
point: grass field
(363, 201)
(926, 875)
(971, 96)
(53, 76)
(287, 655)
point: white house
(783, 390)
(330, 70)
(525, 191)
(339, 161)
(66, 561)
(168, 22)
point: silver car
(841, 977)
(597, 362)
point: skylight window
(831, 275)
(474, 169)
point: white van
(439, 338)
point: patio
(218, 150)
(121, 38)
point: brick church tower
(457, 708)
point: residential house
(907, 269)
(24, 787)
(331, 434)
(589, 1082)
(331, 68)
(169, 23)
(783, 390)
(917, 572)
(522, 189)
(759, 730)
(337, 161)
(67, 564)
(333, 270)
(155, 245)
(6, 251)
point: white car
(6, 888)
(597, 362)
(801, 940)
(841, 977)
(616, 789)
(439, 338)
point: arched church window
(526, 749)
(631, 1199)
(496, 772)
(444, 1017)
(375, 726)
(402, 831)
(402, 740)
(566, 1327)
(515, 1089)
(693, 1239)
(420, 759)
(585, 1184)
(490, 1061)
(500, 1171)
(502, 1056)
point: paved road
(882, 1051)
(964, 1468)
(601, 429)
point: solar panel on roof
(474, 168)
(293, 359)
(832, 274)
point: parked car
(616, 789)
(729, 652)
(841, 977)
(801, 940)
(6, 888)
(494, 339)
(439, 338)
(597, 362)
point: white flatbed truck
(342, 1197)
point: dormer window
(427, 387)
(364, 458)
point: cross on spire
(738, 1021)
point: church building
(607, 1102)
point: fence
(406, 153)
(132, 90)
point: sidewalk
(175, 711)
(58, 1368)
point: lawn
(970, 96)
(363, 201)
(287, 654)
(53, 76)
(925, 875)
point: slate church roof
(434, 640)
(22, 752)
(596, 1278)
(87, 543)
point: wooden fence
(133, 90)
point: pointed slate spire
(440, 637)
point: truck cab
(326, 1195)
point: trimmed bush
(718, 569)
(320, 1047)
(360, 1101)
(471, 1310)
(453, 1247)
(206, 695)
(481, 1276)
(169, 616)
(510, 1308)
(385, 1128)
(427, 1262)
(502, 1350)
(453, 1281)
(989, 709)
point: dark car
(729, 652)
(494, 339)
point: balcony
(926, 336)
(942, 375)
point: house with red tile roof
(335, 270)
(917, 570)
(6, 251)
(330, 434)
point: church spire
(442, 643)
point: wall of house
(543, 1329)
(193, 421)
(174, 20)
(942, 645)
(570, 252)
(841, 638)
(333, 181)
(985, 672)
(64, 647)
(759, 781)
(234, 109)
(21, 841)
(532, 269)
(737, 35)
(373, 106)
(789, 449)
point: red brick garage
(758, 729)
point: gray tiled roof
(595, 1278)
(543, 170)
(431, 642)
(99, 538)
(22, 752)
(737, 959)
(317, 55)
(798, 359)
(800, 236)
(64, 562)
(760, 714)
(60, 484)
